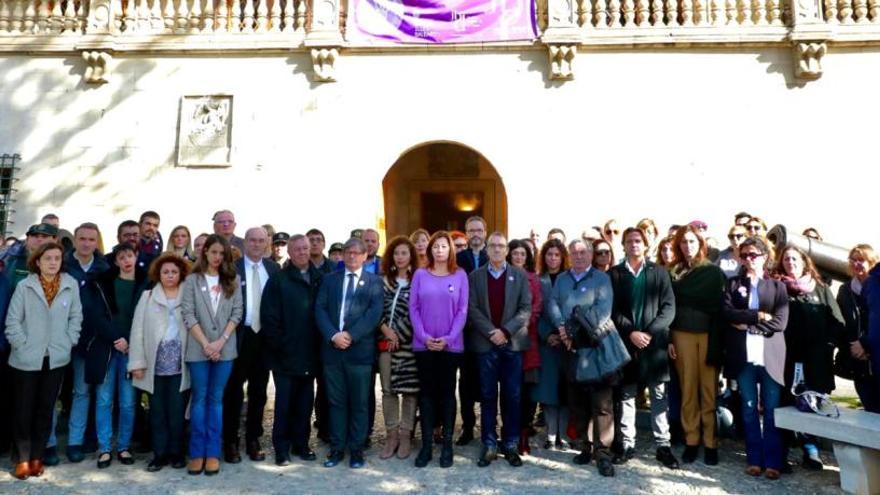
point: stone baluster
(874, 10)
(287, 12)
(759, 12)
(300, 22)
(687, 12)
(208, 16)
(600, 14)
(194, 21)
(774, 13)
(628, 12)
(143, 16)
(247, 25)
(28, 20)
(222, 16)
(16, 13)
(262, 17)
(656, 16)
(613, 13)
(583, 12)
(860, 11)
(831, 12)
(643, 13)
(846, 11)
(168, 16)
(275, 16)
(69, 18)
(743, 12)
(236, 25)
(41, 23)
(701, 12)
(157, 24)
(671, 8)
(129, 17)
(786, 12)
(5, 12)
(181, 20)
(719, 16)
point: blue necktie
(349, 294)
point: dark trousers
(504, 366)
(868, 390)
(322, 407)
(437, 391)
(371, 408)
(167, 411)
(469, 389)
(35, 394)
(6, 383)
(601, 417)
(248, 367)
(294, 396)
(348, 392)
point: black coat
(465, 260)
(96, 310)
(854, 310)
(652, 362)
(287, 315)
(271, 269)
(814, 328)
(99, 352)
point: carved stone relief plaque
(204, 136)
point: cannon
(831, 260)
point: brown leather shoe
(212, 466)
(36, 467)
(196, 465)
(22, 471)
(231, 454)
(255, 451)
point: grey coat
(514, 318)
(148, 328)
(551, 371)
(195, 306)
(593, 293)
(35, 329)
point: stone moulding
(97, 66)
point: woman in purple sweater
(438, 310)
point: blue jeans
(115, 381)
(763, 448)
(500, 365)
(79, 407)
(208, 380)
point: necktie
(256, 297)
(349, 294)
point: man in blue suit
(348, 310)
(254, 270)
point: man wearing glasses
(728, 259)
(499, 307)
(224, 226)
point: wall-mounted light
(466, 202)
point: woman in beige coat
(156, 359)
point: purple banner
(441, 21)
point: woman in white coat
(156, 359)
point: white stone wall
(671, 134)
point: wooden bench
(856, 438)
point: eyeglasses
(609, 232)
(751, 256)
(753, 228)
(603, 252)
(736, 236)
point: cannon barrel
(829, 258)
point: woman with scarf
(397, 363)
(814, 326)
(852, 357)
(696, 340)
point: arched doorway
(437, 186)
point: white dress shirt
(251, 285)
(357, 283)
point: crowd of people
(444, 320)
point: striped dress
(404, 374)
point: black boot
(446, 450)
(425, 454)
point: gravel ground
(542, 472)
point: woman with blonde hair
(420, 238)
(180, 243)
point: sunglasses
(615, 232)
(750, 256)
(736, 236)
(603, 252)
(754, 228)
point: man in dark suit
(287, 314)
(348, 310)
(469, 380)
(254, 271)
(644, 307)
(499, 307)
